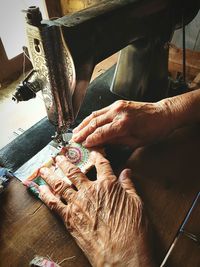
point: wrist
(138, 255)
(182, 109)
(172, 113)
(167, 120)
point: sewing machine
(65, 51)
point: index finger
(104, 134)
(91, 127)
(87, 120)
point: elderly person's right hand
(125, 122)
(138, 124)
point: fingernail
(42, 188)
(75, 136)
(42, 170)
(59, 159)
(85, 143)
(75, 130)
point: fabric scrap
(40, 261)
(5, 176)
(77, 154)
(33, 186)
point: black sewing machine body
(64, 52)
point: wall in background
(192, 32)
(12, 26)
(70, 6)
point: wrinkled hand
(104, 216)
(125, 122)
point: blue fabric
(5, 175)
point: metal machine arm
(65, 51)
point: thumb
(126, 183)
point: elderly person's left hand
(104, 216)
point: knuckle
(96, 136)
(125, 117)
(68, 193)
(76, 209)
(99, 133)
(119, 105)
(53, 205)
(114, 128)
(73, 171)
(59, 186)
(94, 114)
(120, 126)
(76, 180)
(61, 159)
(44, 171)
(93, 123)
(103, 162)
(92, 138)
(114, 125)
(123, 127)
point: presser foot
(62, 139)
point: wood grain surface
(28, 228)
(167, 176)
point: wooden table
(167, 176)
(28, 228)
